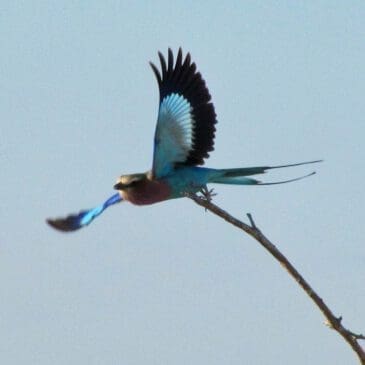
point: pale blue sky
(169, 283)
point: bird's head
(128, 181)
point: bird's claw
(207, 194)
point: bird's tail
(239, 176)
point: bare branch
(331, 320)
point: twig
(334, 322)
(253, 225)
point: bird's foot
(207, 194)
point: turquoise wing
(186, 120)
(74, 222)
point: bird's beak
(118, 186)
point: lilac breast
(147, 192)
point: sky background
(170, 283)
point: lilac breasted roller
(184, 136)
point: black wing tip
(156, 73)
(170, 59)
(63, 224)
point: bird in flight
(184, 136)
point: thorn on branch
(338, 322)
(357, 336)
(334, 324)
(252, 222)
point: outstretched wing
(74, 222)
(186, 119)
